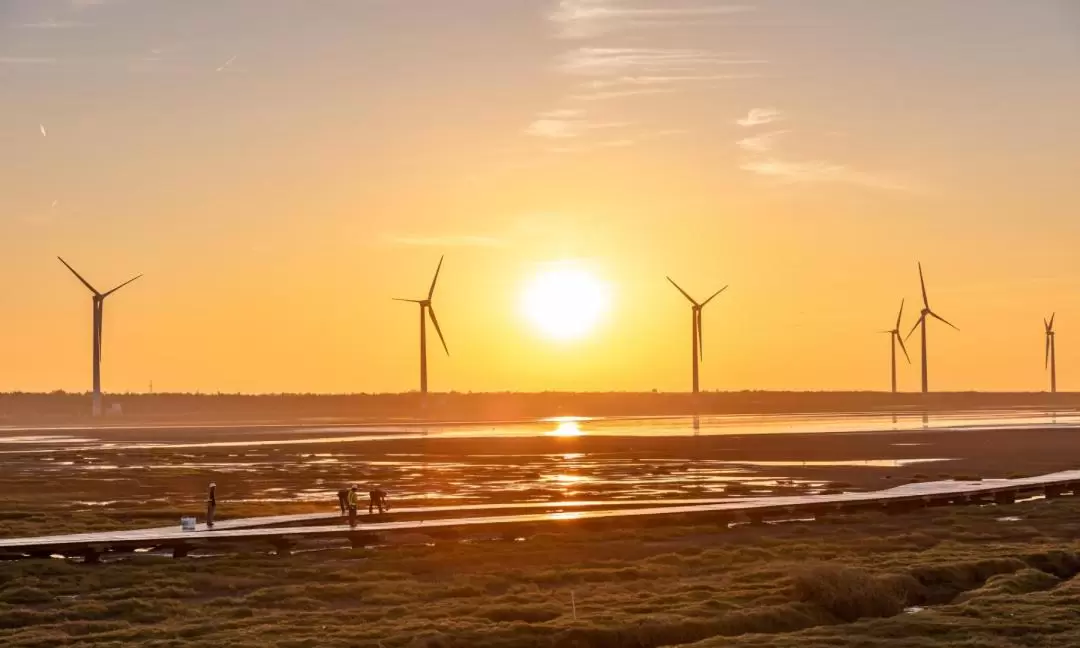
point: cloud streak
(579, 19)
(25, 60)
(820, 171)
(760, 117)
(627, 62)
(762, 143)
(465, 240)
(52, 24)
(605, 70)
(566, 124)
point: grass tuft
(849, 593)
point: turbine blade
(917, 322)
(922, 283)
(84, 281)
(1046, 325)
(431, 312)
(411, 301)
(120, 286)
(691, 299)
(713, 296)
(431, 291)
(902, 347)
(1047, 366)
(939, 317)
(1052, 316)
(900, 314)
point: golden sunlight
(567, 429)
(565, 302)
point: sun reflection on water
(567, 429)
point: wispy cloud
(605, 70)
(627, 62)
(819, 171)
(27, 60)
(224, 66)
(82, 4)
(565, 124)
(665, 80)
(446, 241)
(760, 116)
(52, 24)
(591, 18)
(617, 143)
(618, 94)
(761, 143)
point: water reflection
(569, 428)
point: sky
(280, 169)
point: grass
(843, 581)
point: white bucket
(187, 524)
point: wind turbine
(99, 312)
(425, 310)
(894, 337)
(922, 322)
(695, 308)
(1051, 352)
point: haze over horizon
(279, 170)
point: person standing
(211, 505)
(343, 500)
(354, 502)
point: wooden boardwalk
(909, 497)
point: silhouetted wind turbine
(695, 308)
(922, 322)
(425, 310)
(99, 312)
(1051, 352)
(894, 336)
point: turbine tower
(894, 337)
(1051, 353)
(922, 323)
(697, 346)
(99, 313)
(426, 309)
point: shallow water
(144, 465)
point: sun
(565, 301)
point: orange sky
(279, 171)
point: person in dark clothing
(354, 503)
(211, 505)
(377, 497)
(343, 500)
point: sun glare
(565, 302)
(567, 429)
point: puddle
(1009, 518)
